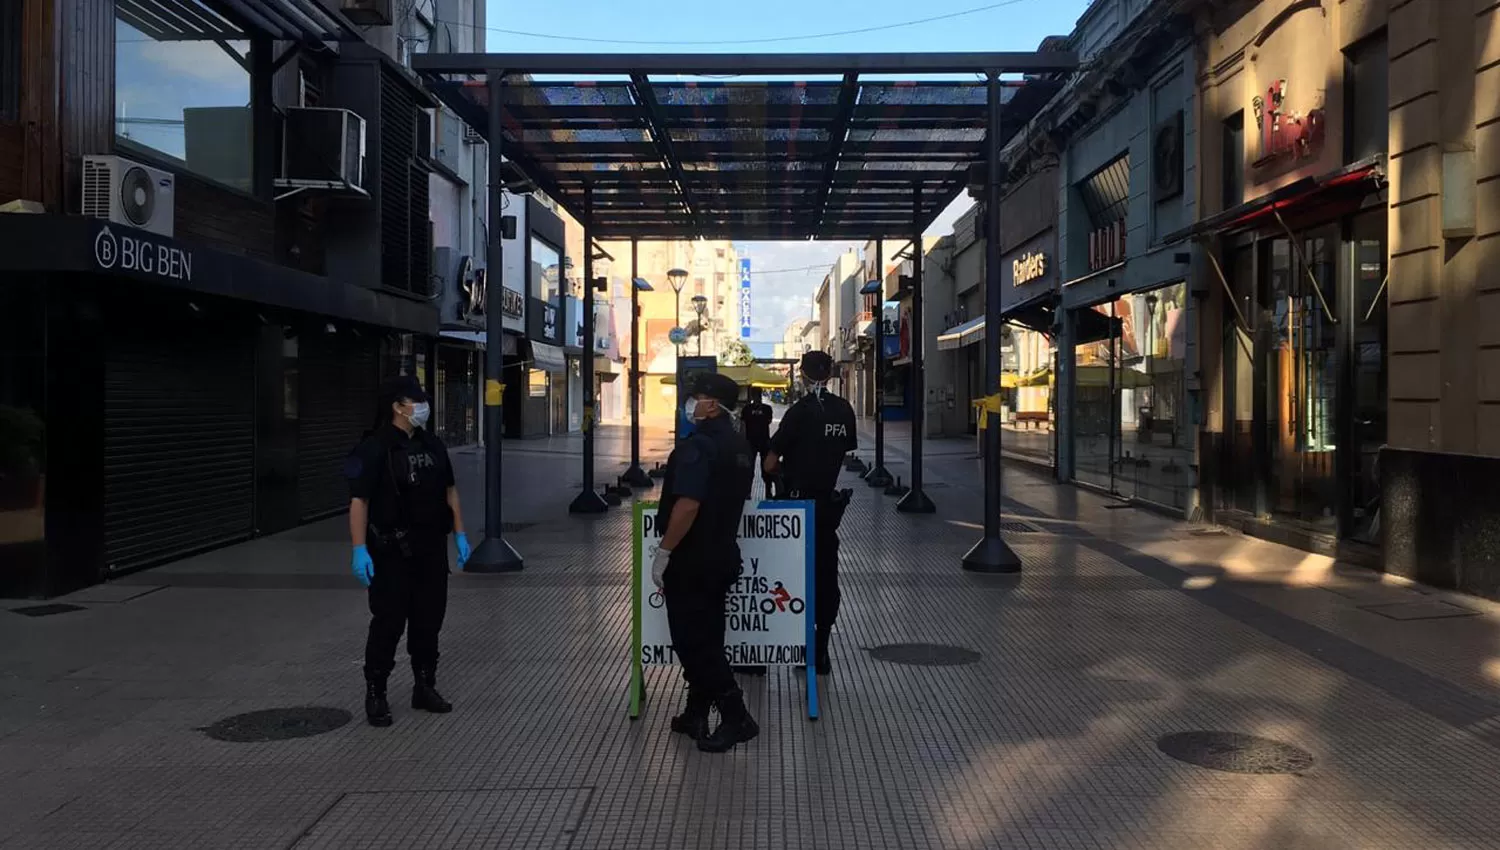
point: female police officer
(403, 505)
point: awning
(747, 376)
(959, 336)
(822, 150)
(1090, 325)
(548, 358)
(1346, 185)
(1037, 313)
(306, 21)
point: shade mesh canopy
(768, 160)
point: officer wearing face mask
(808, 452)
(704, 490)
(403, 505)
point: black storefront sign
(78, 244)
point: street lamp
(677, 279)
(700, 306)
(635, 476)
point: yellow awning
(747, 376)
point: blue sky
(779, 298)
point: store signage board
(745, 298)
(1285, 136)
(769, 609)
(1031, 266)
(130, 250)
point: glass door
(1301, 367)
(1365, 279)
(1096, 399)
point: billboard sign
(745, 298)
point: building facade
(1125, 383)
(210, 279)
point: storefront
(543, 395)
(153, 410)
(1028, 306)
(1298, 287)
(895, 393)
(1125, 397)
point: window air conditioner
(128, 193)
(367, 13)
(323, 147)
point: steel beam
(783, 64)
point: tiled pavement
(1123, 628)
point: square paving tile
(540, 818)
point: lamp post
(677, 278)
(879, 476)
(700, 306)
(635, 476)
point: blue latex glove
(364, 567)
(461, 540)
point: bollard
(897, 489)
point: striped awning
(959, 336)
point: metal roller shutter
(179, 445)
(339, 378)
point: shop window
(1234, 160)
(182, 92)
(1367, 78)
(546, 271)
(10, 60)
(1132, 431)
(536, 384)
(1106, 194)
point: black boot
(693, 721)
(424, 695)
(736, 726)
(377, 709)
(823, 662)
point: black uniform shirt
(815, 435)
(715, 467)
(404, 478)
(757, 419)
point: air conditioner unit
(472, 136)
(323, 146)
(128, 193)
(367, 13)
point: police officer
(756, 419)
(704, 490)
(403, 505)
(808, 450)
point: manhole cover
(1018, 527)
(925, 654)
(277, 724)
(47, 610)
(1235, 753)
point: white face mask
(690, 409)
(419, 414)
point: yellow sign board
(494, 393)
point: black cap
(720, 388)
(817, 365)
(400, 387)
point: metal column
(589, 501)
(916, 501)
(992, 554)
(635, 476)
(879, 476)
(494, 554)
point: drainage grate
(925, 654)
(1233, 752)
(47, 610)
(277, 724)
(1019, 527)
(1418, 610)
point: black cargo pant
(826, 599)
(407, 594)
(696, 590)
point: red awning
(1335, 189)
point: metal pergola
(818, 151)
